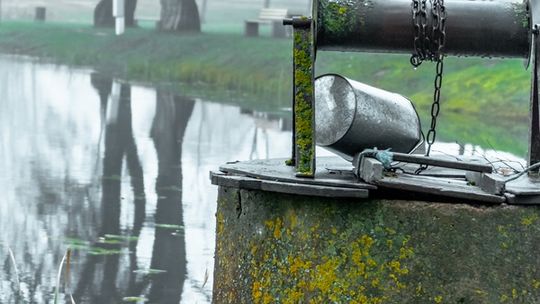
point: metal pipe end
(288, 21)
(298, 21)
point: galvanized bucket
(351, 116)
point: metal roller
(495, 28)
(351, 116)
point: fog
(81, 11)
(107, 137)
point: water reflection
(168, 262)
(116, 115)
(169, 251)
(119, 173)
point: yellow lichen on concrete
(529, 220)
(341, 271)
(285, 250)
(220, 223)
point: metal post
(534, 113)
(534, 128)
(303, 104)
(119, 15)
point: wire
(528, 169)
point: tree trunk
(180, 16)
(103, 16)
(203, 11)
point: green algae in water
(121, 237)
(169, 226)
(124, 238)
(135, 299)
(78, 244)
(149, 271)
(103, 251)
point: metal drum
(351, 116)
(486, 28)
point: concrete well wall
(278, 248)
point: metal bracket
(303, 154)
(534, 128)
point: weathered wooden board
(437, 186)
(513, 199)
(524, 186)
(335, 178)
(250, 183)
(331, 171)
(440, 187)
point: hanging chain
(431, 49)
(419, 17)
(439, 40)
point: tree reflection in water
(169, 251)
(100, 281)
(73, 163)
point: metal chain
(432, 50)
(419, 17)
(439, 40)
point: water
(119, 174)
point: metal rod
(437, 162)
(496, 28)
(534, 114)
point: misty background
(224, 12)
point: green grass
(482, 99)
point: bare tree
(180, 16)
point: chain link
(419, 17)
(431, 49)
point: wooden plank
(439, 186)
(335, 175)
(243, 182)
(524, 186)
(513, 199)
(331, 171)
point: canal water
(118, 174)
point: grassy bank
(257, 73)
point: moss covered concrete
(275, 248)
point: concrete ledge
(280, 248)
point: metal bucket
(351, 116)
